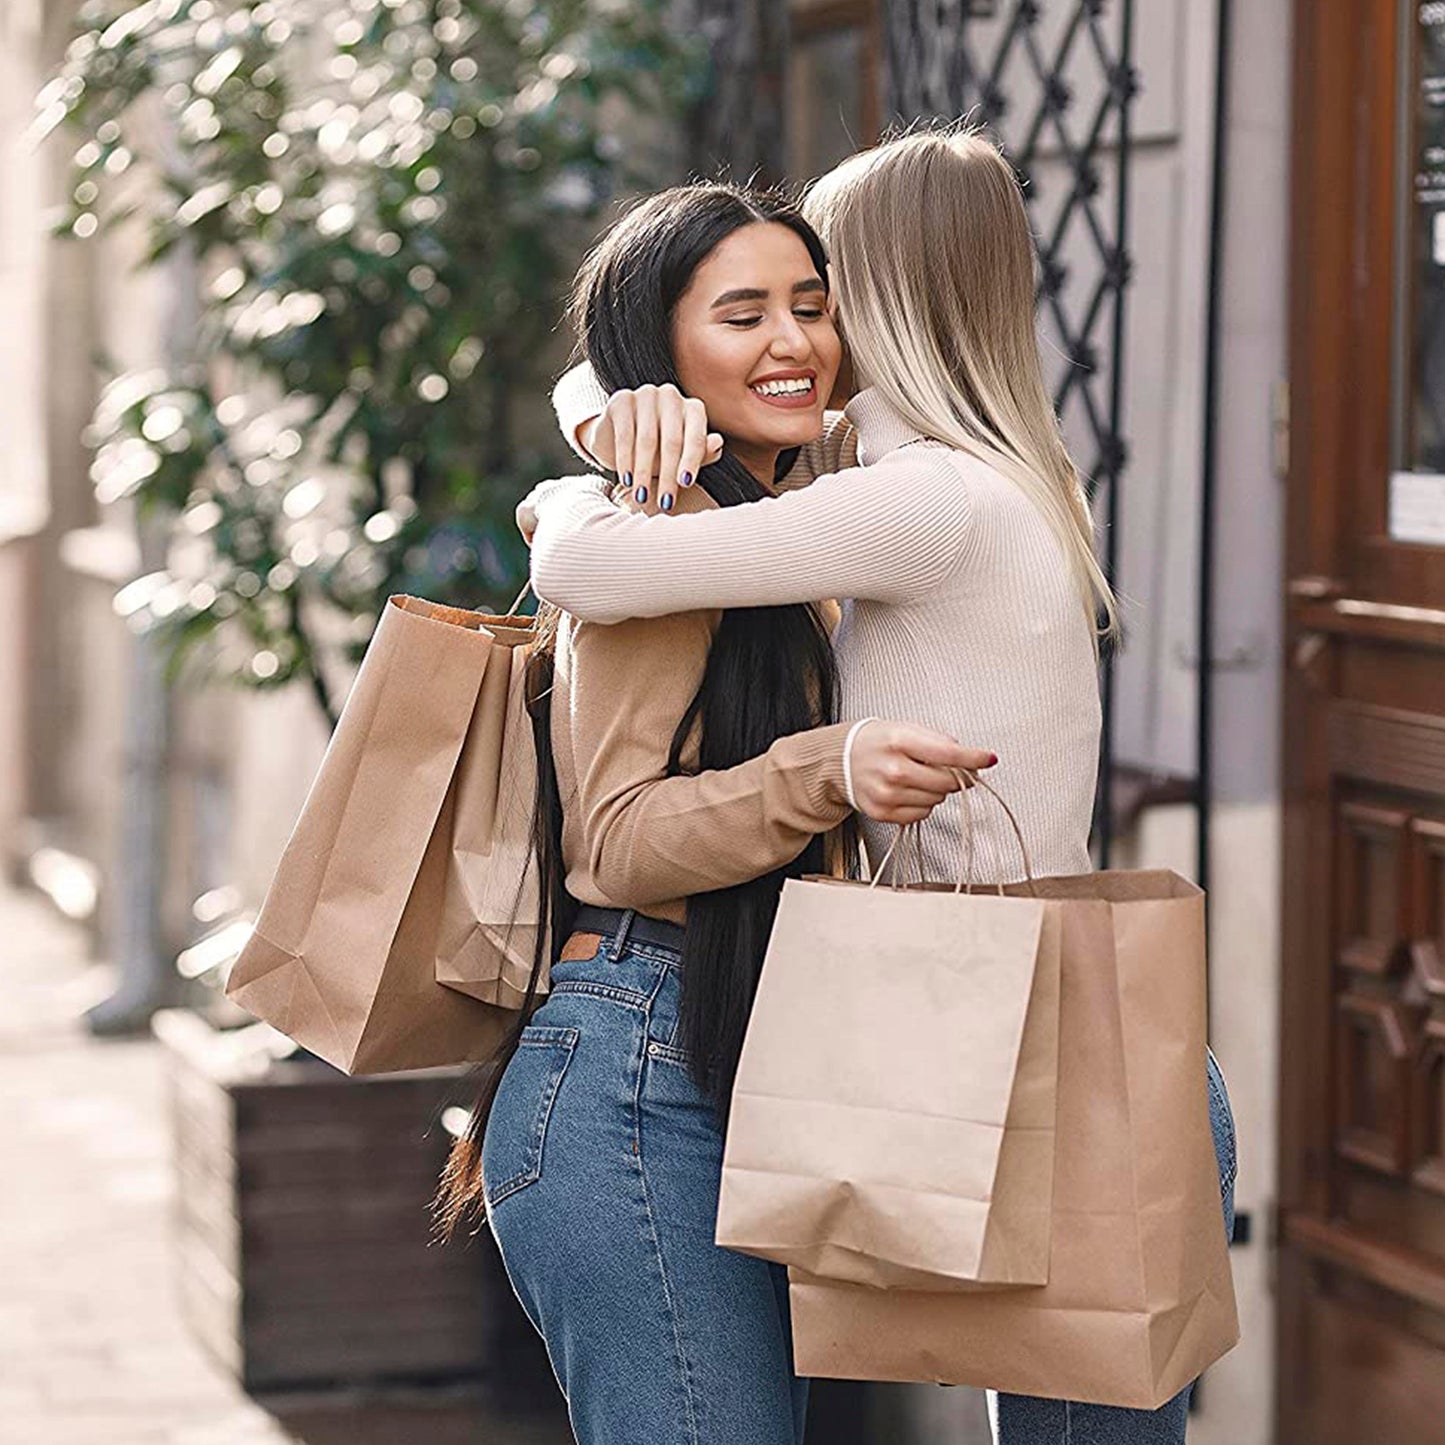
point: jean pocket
(517, 1130)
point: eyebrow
(752, 293)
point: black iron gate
(1055, 83)
(1062, 111)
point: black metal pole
(1204, 742)
(1116, 421)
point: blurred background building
(1241, 213)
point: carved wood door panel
(1362, 1104)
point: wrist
(848, 760)
(594, 437)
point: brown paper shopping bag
(892, 1121)
(491, 908)
(1139, 1298)
(343, 956)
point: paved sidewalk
(93, 1348)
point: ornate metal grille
(1055, 83)
(1056, 89)
(739, 126)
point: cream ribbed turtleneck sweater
(960, 608)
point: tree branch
(320, 689)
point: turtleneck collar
(880, 428)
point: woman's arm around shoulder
(888, 532)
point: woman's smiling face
(753, 339)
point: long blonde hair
(935, 287)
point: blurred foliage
(384, 201)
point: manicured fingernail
(627, 480)
(992, 759)
(686, 479)
(666, 503)
(641, 494)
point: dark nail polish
(686, 479)
(627, 480)
(667, 504)
(992, 759)
(641, 495)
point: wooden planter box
(305, 1255)
(302, 1225)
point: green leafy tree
(384, 200)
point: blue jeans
(602, 1163)
(1024, 1420)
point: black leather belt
(623, 924)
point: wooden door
(1362, 1118)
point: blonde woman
(942, 506)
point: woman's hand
(656, 439)
(901, 773)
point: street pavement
(93, 1346)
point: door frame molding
(1336, 247)
(1351, 592)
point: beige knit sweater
(961, 611)
(633, 837)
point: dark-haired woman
(693, 764)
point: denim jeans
(602, 1163)
(1024, 1420)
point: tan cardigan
(634, 837)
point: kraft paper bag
(491, 907)
(1139, 1298)
(343, 956)
(892, 1122)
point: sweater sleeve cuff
(848, 760)
(817, 758)
(557, 490)
(576, 399)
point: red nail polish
(992, 759)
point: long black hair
(770, 670)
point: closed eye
(743, 323)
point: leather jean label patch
(580, 946)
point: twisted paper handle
(909, 832)
(965, 882)
(520, 598)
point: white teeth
(784, 388)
